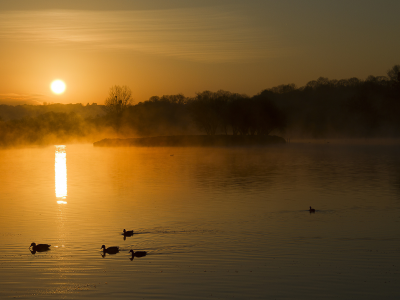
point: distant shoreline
(193, 141)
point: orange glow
(61, 174)
(235, 46)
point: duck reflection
(61, 174)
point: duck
(39, 247)
(110, 250)
(312, 210)
(128, 233)
(138, 253)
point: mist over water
(322, 109)
(216, 222)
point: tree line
(322, 108)
(210, 113)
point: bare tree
(119, 98)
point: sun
(58, 86)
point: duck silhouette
(39, 247)
(137, 254)
(128, 233)
(312, 210)
(109, 250)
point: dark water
(216, 223)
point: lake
(217, 223)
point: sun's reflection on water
(61, 174)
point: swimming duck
(110, 250)
(312, 210)
(128, 233)
(138, 253)
(39, 247)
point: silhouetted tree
(117, 102)
(164, 115)
(222, 102)
(239, 115)
(204, 108)
(265, 116)
(394, 74)
(119, 98)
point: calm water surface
(216, 222)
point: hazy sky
(159, 47)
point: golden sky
(168, 47)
